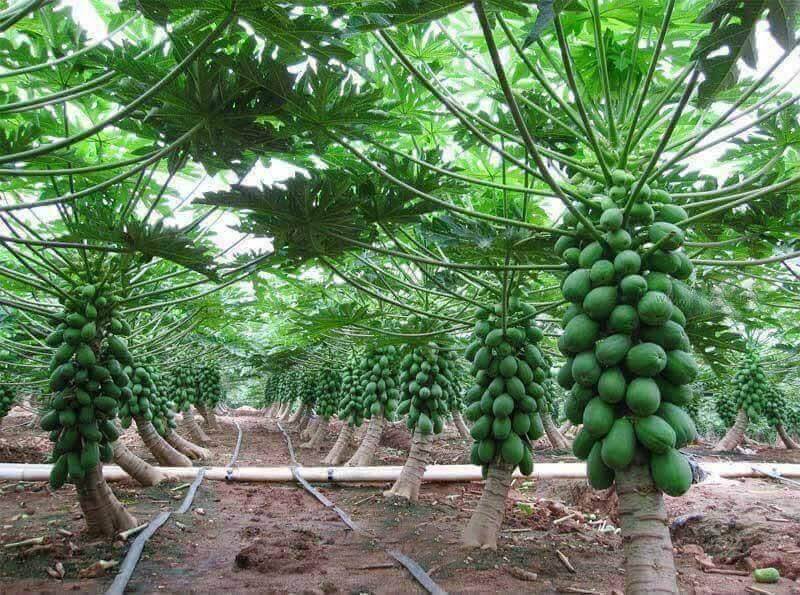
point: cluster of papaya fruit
(351, 404)
(181, 384)
(147, 401)
(329, 384)
(88, 380)
(426, 384)
(509, 371)
(209, 384)
(6, 399)
(629, 365)
(377, 382)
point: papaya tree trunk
(318, 435)
(287, 413)
(462, 428)
(193, 429)
(787, 440)
(104, 514)
(735, 434)
(408, 484)
(556, 438)
(190, 449)
(565, 427)
(141, 471)
(209, 416)
(484, 525)
(649, 564)
(164, 453)
(338, 453)
(309, 430)
(295, 419)
(369, 445)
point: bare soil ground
(275, 538)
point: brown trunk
(209, 416)
(649, 565)
(104, 514)
(318, 435)
(484, 525)
(555, 437)
(787, 440)
(160, 449)
(462, 428)
(338, 453)
(310, 428)
(296, 419)
(287, 413)
(369, 445)
(190, 449)
(139, 470)
(407, 485)
(193, 429)
(735, 435)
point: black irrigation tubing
(419, 574)
(135, 552)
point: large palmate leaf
(300, 217)
(733, 38)
(150, 241)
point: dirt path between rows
(275, 538)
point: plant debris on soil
(559, 536)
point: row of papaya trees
(572, 195)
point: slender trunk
(369, 445)
(287, 412)
(209, 416)
(649, 564)
(557, 440)
(141, 471)
(462, 428)
(270, 410)
(319, 434)
(787, 440)
(164, 453)
(298, 415)
(310, 428)
(484, 525)
(338, 453)
(104, 514)
(407, 485)
(735, 435)
(191, 427)
(190, 449)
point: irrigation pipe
(419, 574)
(382, 474)
(135, 552)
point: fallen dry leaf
(97, 569)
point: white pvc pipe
(433, 473)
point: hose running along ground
(419, 574)
(134, 554)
